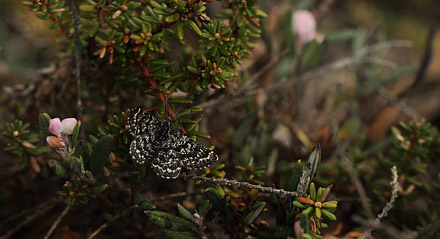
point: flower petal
(304, 25)
(68, 125)
(55, 126)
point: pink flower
(66, 126)
(304, 25)
(62, 130)
(55, 126)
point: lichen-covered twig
(229, 182)
(389, 205)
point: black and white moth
(166, 150)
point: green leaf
(256, 211)
(299, 205)
(100, 154)
(179, 235)
(214, 194)
(143, 201)
(43, 121)
(199, 134)
(195, 27)
(75, 134)
(184, 213)
(86, 8)
(59, 168)
(179, 31)
(296, 175)
(312, 191)
(304, 223)
(99, 188)
(168, 221)
(328, 214)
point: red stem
(153, 84)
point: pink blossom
(304, 25)
(55, 126)
(68, 125)
(62, 130)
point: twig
(389, 204)
(176, 195)
(404, 108)
(55, 224)
(390, 230)
(97, 231)
(278, 57)
(77, 58)
(40, 206)
(229, 182)
(26, 220)
(426, 60)
(335, 65)
(354, 178)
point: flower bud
(55, 142)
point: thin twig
(176, 195)
(27, 220)
(278, 57)
(77, 58)
(97, 231)
(389, 205)
(404, 108)
(354, 178)
(390, 230)
(229, 182)
(342, 63)
(55, 224)
(30, 210)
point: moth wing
(141, 149)
(191, 154)
(166, 164)
(141, 122)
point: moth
(167, 151)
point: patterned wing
(191, 154)
(141, 122)
(166, 164)
(142, 149)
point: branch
(229, 182)
(250, 89)
(390, 230)
(389, 204)
(354, 178)
(27, 220)
(77, 58)
(55, 224)
(97, 231)
(27, 211)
